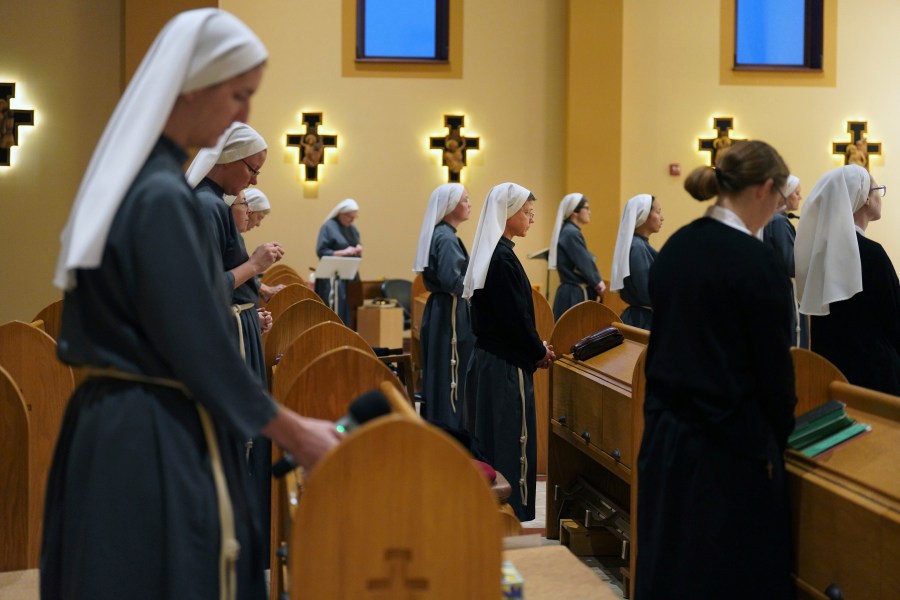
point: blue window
(402, 30)
(773, 34)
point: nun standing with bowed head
(148, 495)
(714, 516)
(847, 282)
(633, 257)
(579, 279)
(338, 237)
(779, 233)
(259, 206)
(446, 337)
(499, 390)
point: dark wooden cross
(312, 145)
(454, 146)
(10, 120)
(722, 125)
(398, 560)
(857, 131)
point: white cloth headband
(566, 207)
(196, 49)
(503, 201)
(345, 206)
(239, 141)
(442, 202)
(826, 253)
(256, 200)
(635, 214)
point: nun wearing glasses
(579, 279)
(634, 256)
(446, 334)
(846, 282)
(508, 349)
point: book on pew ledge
(823, 428)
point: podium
(380, 325)
(333, 269)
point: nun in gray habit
(446, 335)
(508, 350)
(579, 279)
(338, 237)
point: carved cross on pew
(454, 146)
(722, 125)
(858, 149)
(312, 145)
(398, 560)
(10, 120)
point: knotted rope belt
(523, 440)
(454, 356)
(229, 548)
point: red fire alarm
(674, 169)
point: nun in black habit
(499, 389)
(446, 333)
(338, 237)
(847, 281)
(148, 495)
(579, 279)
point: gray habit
(334, 236)
(443, 277)
(131, 506)
(578, 274)
(636, 290)
(779, 233)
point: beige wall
(511, 92)
(64, 56)
(671, 90)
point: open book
(823, 428)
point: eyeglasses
(881, 191)
(530, 215)
(255, 172)
(247, 204)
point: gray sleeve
(449, 263)
(638, 282)
(575, 247)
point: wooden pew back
(415, 514)
(51, 315)
(296, 319)
(291, 294)
(309, 345)
(17, 546)
(577, 322)
(29, 356)
(543, 319)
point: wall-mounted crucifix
(10, 120)
(858, 149)
(398, 560)
(453, 146)
(312, 145)
(722, 125)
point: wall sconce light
(858, 149)
(312, 145)
(10, 121)
(722, 125)
(453, 146)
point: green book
(818, 412)
(819, 429)
(835, 439)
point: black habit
(713, 505)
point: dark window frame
(813, 34)
(441, 38)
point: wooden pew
(29, 356)
(543, 320)
(419, 299)
(309, 345)
(51, 315)
(281, 273)
(291, 294)
(415, 507)
(613, 301)
(296, 319)
(846, 502)
(17, 547)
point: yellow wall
(511, 91)
(65, 58)
(672, 89)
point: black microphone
(363, 409)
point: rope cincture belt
(236, 310)
(523, 440)
(229, 548)
(454, 356)
(584, 290)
